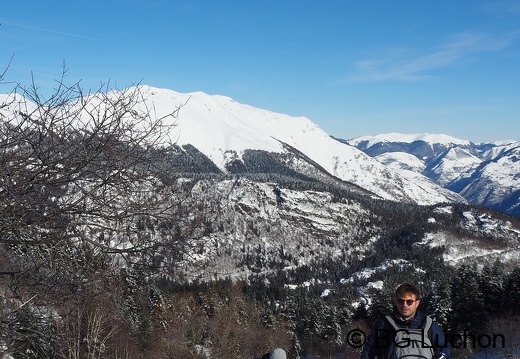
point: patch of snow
(325, 293)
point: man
(406, 333)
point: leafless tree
(82, 193)
(85, 168)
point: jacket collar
(414, 321)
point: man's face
(407, 305)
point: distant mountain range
(486, 174)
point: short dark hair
(405, 288)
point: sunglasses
(408, 302)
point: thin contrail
(53, 31)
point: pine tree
(29, 335)
(436, 302)
(491, 283)
(512, 288)
(467, 303)
(382, 302)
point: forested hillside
(118, 243)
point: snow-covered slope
(223, 130)
(498, 150)
(450, 165)
(308, 227)
(485, 173)
(471, 247)
(410, 167)
(401, 161)
(495, 183)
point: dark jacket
(373, 348)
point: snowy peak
(450, 164)
(211, 122)
(437, 139)
(224, 130)
(241, 139)
(217, 125)
(484, 173)
(497, 151)
(495, 183)
(423, 146)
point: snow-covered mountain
(277, 194)
(485, 174)
(422, 146)
(495, 183)
(450, 165)
(224, 131)
(263, 228)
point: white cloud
(415, 65)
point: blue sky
(353, 67)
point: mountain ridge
(223, 129)
(485, 174)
